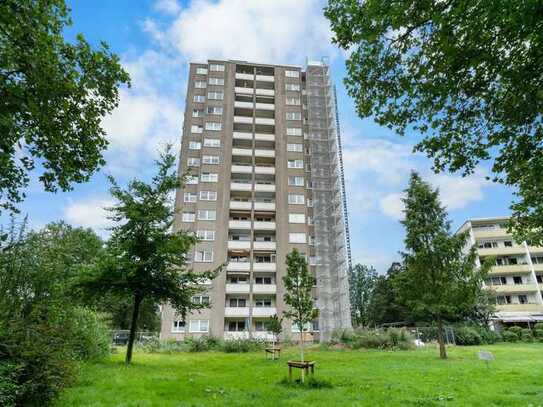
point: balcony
(232, 335)
(238, 266)
(490, 233)
(265, 78)
(511, 269)
(241, 205)
(242, 136)
(243, 169)
(265, 92)
(264, 225)
(263, 245)
(236, 312)
(249, 91)
(245, 152)
(501, 251)
(243, 119)
(264, 153)
(264, 267)
(265, 188)
(265, 336)
(265, 120)
(265, 106)
(241, 186)
(264, 311)
(239, 224)
(264, 170)
(246, 76)
(514, 288)
(264, 206)
(239, 245)
(264, 137)
(519, 307)
(244, 105)
(264, 288)
(237, 288)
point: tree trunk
(133, 327)
(440, 340)
(302, 350)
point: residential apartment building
(516, 278)
(262, 151)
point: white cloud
(167, 6)
(89, 213)
(392, 205)
(457, 192)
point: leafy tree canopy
(362, 281)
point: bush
(526, 335)
(516, 330)
(509, 336)
(538, 333)
(242, 345)
(538, 326)
(466, 336)
(488, 336)
(392, 339)
(91, 337)
(9, 388)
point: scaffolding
(330, 217)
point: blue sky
(157, 39)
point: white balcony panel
(265, 92)
(243, 119)
(242, 151)
(264, 106)
(264, 137)
(245, 105)
(265, 78)
(237, 288)
(265, 336)
(264, 188)
(244, 90)
(264, 170)
(264, 266)
(239, 224)
(246, 76)
(264, 206)
(265, 120)
(239, 245)
(244, 169)
(241, 186)
(264, 245)
(264, 288)
(265, 153)
(238, 266)
(236, 311)
(264, 225)
(242, 136)
(264, 311)
(246, 206)
(228, 336)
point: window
(200, 84)
(292, 86)
(201, 71)
(209, 177)
(263, 280)
(237, 302)
(236, 326)
(195, 145)
(215, 126)
(206, 235)
(263, 302)
(216, 81)
(296, 181)
(296, 238)
(523, 299)
(189, 197)
(261, 326)
(196, 129)
(210, 159)
(294, 116)
(503, 299)
(539, 278)
(203, 256)
(191, 180)
(310, 203)
(200, 299)
(295, 164)
(217, 110)
(197, 113)
(199, 325)
(296, 218)
(294, 131)
(240, 279)
(508, 243)
(178, 326)
(212, 142)
(188, 217)
(293, 102)
(517, 280)
(292, 74)
(199, 98)
(193, 162)
(216, 68)
(205, 214)
(295, 148)
(295, 199)
(215, 95)
(208, 195)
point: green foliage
(539, 325)
(144, 258)
(362, 281)
(53, 97)
(538, 333)
(390, 339)
(466, 75)
(515, 329)
(311, 383)
(510, 336)
(243, 345)
(275, 326)
(526, 335)
(9, 386)
(466, 335)
(92, 337)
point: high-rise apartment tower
(262, 146)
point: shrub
(526, 335)
(538, 326)
(466, 335)
(242, 345)
(90, 334)
(488, 336)
(9, 388)
(344, 336)
(392, 339)
(509, 336)
(538, 333)
(516, 330)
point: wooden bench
(273, 351)
(306, 366)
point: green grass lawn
(359, 378)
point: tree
(298, 296)
(362, 281)
(467, 75)
(144, 257)
(275, 327)
(441, 281)
(53, 96)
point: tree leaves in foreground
(362, 280)
(441, 281)
(467, 75)
(144, 257)
(53, 97)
